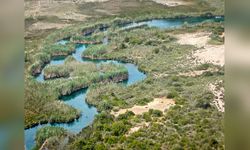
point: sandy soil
(207, 53)
(199, 39)
(219, 96)
(212, 54)
(172, 3)
(158, 103)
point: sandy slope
(207, 53)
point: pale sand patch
(172, 3)
(219, 96)
(207, 53)
(214, 54)
(158, 103)
(198, 39)
(160, 75)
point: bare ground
(207, 53)
(158, 103)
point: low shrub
(172, 94)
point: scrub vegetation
(192, 123)
(182, 126)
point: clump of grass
(42, 105)
(204, 66)
(95, 51)
(172, 94)
(46, 133)
(83, 75)
(59, 50)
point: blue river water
(77, 99)
(173, 23)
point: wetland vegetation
(192, 123)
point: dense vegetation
(193, 123)
(182, 127)
(183, 131)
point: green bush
(125, 116)
(155, 113)
(59, 50)
(203, 66)
(204, 100)
(147, 117)
(119, 128)
(172, 94)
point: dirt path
(207, 53)
(158, 103)
(219, 96)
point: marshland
(129, 75)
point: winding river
(77, 99)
